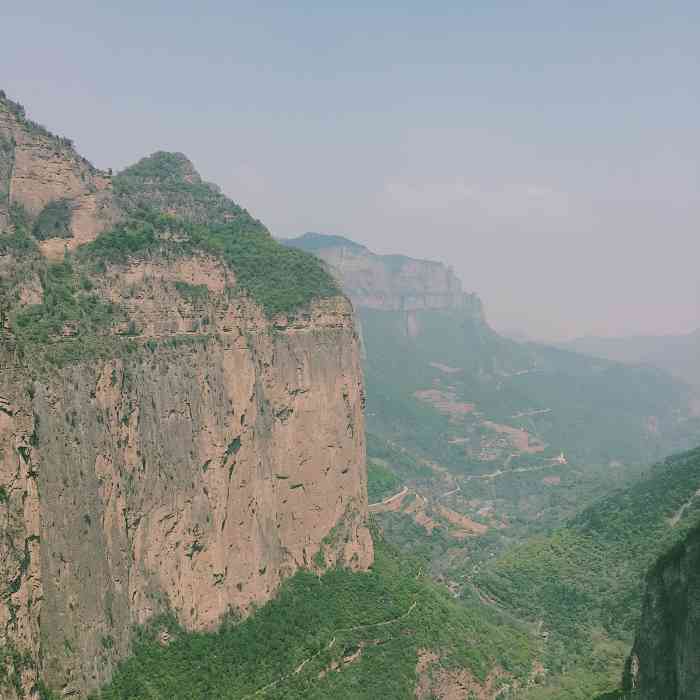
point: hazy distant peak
(315, 242)
(387, 282)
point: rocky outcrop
(38, 170)
(388, 282)
(213, 453)
(664, 659)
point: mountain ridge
(677, 354)
(181, 410)
(387, 282)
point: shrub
(54, 221)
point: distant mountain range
(677, 354)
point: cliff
(664, 659)
(44, 180)
(388, 282)
(181, 419)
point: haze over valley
(349, 353)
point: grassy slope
(300, 624)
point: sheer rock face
(402, 285)
(664, 658)
(388, 282)
(191, 476)
(192, 479)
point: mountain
(519, 435)
(583, 584)
(515, 470)
(679, 355)
(385, 282)
(181, 411)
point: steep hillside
(583, 583)
(679, 355)
(388, 632)
(181, 424)
(663, 662)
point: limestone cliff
(388, 282)
(664, 658)
(169, 445)
(43, 178)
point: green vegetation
(595, 410)
(54, 221)
(73, 323)
(168, 182)
(381, 482)
(138, 237)
(69, 325)
(315, 623)
(7, 155)
(16, 109)
(401, 462)
(194, 293)
(584, 580)
(281, 280)
(667, 638)
(18, 242)
(13, 662)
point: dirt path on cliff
(390, 499)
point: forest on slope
(583, 583)
(340, 635)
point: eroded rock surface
(38, 169)
(189, 475)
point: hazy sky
(549, 151)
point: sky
(549, 151)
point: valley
(507, 452)
(237, 467)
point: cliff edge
(664, 659)
(181, 419)
(388, 282)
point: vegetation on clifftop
(280, 279)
